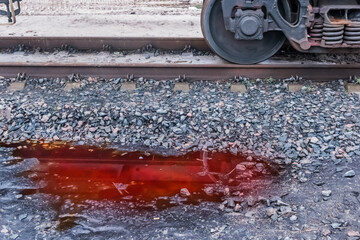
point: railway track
(193, 70)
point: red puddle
(85, 172)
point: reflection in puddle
(74, 182)
(82, 191)
(85, 172)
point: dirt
(99, 18)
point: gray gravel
(314, 134)
(320, 122)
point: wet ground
(128, 194)
(56, 200)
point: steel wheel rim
(223, 43)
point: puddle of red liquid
(85, 172)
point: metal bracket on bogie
(243, 16)
(10, 11)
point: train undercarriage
(250, 31)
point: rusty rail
(190, 71)
(193, 71)
(98, 43)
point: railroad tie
(183, 87)
(16, 86)
(70, 86)
(238, 88)
(353, 88)
(294, 87)
(128, 86)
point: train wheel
(223, 42)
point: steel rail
(193, 71)
(98, 43)
(317, 72)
